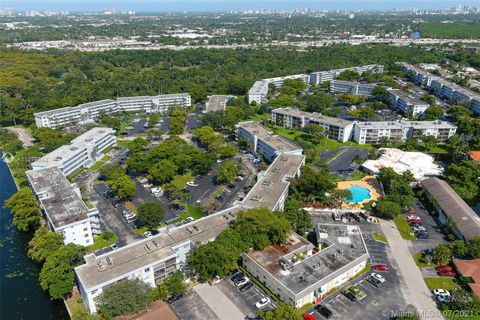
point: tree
(429, 142)
(463, 178)
(57, 274)
(474, 247)
(151, 214)
(124, 297)
(458, 112)
(442, 254)
(315, 130)
(282, 312)
(44, 243)
(428, 99)
(433, 113)
(137, 145)
(363, 114)
(314, 184)
(163, 172)
(25, 210)
(175, 284)
(388, 209)
(298, 218)
(348, 75)
(459, 248)
(380, 93)
(227, 171)
(111, 171)
(227, 151)
(123, 186)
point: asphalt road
(343, 162)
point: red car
(381, 267)
(307, 316)
(446, 271)
(415, 221)
(411, 211)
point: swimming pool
(359, 194)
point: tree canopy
(25, 209)
(151, 214)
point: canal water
(21, 297)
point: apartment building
(445, 89)
(407, 102)
(258, 92)
(265, 144)
(329, 75)
(216, 103)
(151, 260)
(81, 152)
(300, 273)
(374, 132)
(278, 81)
(271, 189)
(89, 112)
(63, 208)
(334, 128)
(351, 87)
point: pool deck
(368, 182)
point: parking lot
(341, 160)
(193, 307)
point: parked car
(307, 316)
(378, 277)
(215, 280)
(418, 227)
(412, 216)
(174, 298)
(147, 234)
(336, 216)
(114, 246)
(324, 311)
(262, 303)
(237, 276)
(189, 219)
(246, 287)
(350, 296)
(442, 295)
(446, 271)
(241, 281)
(192, 184)
(422, 235)
(381, 267)
(116, 203)
(416, 221)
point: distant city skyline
(226, 5)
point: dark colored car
(174, 298)
(246, 287)
(116, 203)
(324, 311)
(350, 296)
(421, 235)
(237, 276)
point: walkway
(418, 293)
(219, 302)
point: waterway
(21, 297)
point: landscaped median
(404, 228)
(379, 237)
(419, 259)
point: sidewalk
(418, 293)
(219, 302)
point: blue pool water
(359, 194)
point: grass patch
(97, 165)
(75, 174)
(404, 227)
(78, 310)
(141, 230)
(100, 242)
(440, 283)
(380, 237)
(196, 212)
(131, 206)
(457, 30)
(357, 175)
(181, 181)
(105, 158)
(420, 261)
(122, 143)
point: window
(85, 229)
(86, 235)
(87, 241)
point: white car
(114, 246)
(262, 303)
(441, 292)
(412, 216)
(192, 184)
(240, 282)
(378, 277)
(189, 219)
(419, 228)
(147, 234)
(219, 160)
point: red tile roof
(475, 155)
(470, 268)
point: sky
(225, 5)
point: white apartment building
(407, 102)
(150, 260)
(329, 75)
(351, 87)
(278, 81)
(89, 112)
(63, 207)
(298, 274)
(374, 132)
(258, 92)
(82, 152)
(334, 128)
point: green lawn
(97, 165)
(357, 175)
(440, 283)
(181, 181)
(100, 243)
(78, 310)
(380, 237)
(105, 158)
(76, 173)
(196, 212)
(122, 143)
(404, 227)
(418, 258)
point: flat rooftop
(432, 124)
(381, 125)
(57, 156)
(270, 187)
(216, 103)
(80, 106)
(401, 124)
(104, 268)
(259, 87)
(62, 205)
(408, 97)
(314, 116)
(277, 142)
(340, 246)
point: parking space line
(364, 287)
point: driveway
(193, 307)
(418, 294)
(223, 307)
(340, 160)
